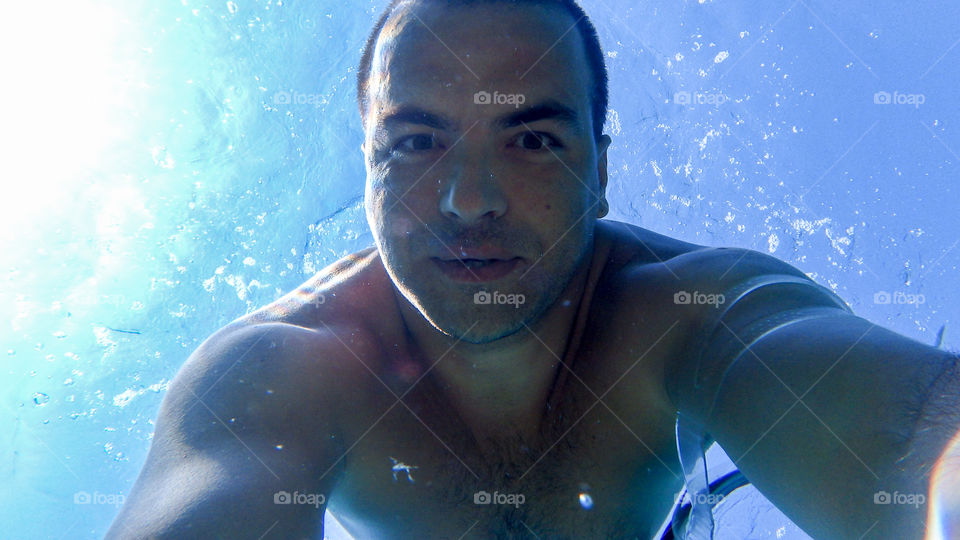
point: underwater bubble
(586, 501)
(40, 398)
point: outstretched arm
(834, 419)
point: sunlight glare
(64, 95)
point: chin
(482, 332)
(485, 323)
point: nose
(473, 195)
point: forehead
(431, 50)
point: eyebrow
(411, 114)
(547, 110)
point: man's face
(483, 174)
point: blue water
(176, 165)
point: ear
(602, 145)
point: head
(485, 158)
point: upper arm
(816, 411)
(732, 289)
(244, 420)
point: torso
(411, 470)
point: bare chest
(603, 465)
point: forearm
(821, 409)
(825, 415)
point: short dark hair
(588, 33)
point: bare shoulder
(644, 262)
(650, 276)
(249, 415)
(330, 332)
(661, 291)
(726, 266)
(278, 376)
(351, 301)
(635, 245)
(261, 370)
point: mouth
(476, 263)
(476, 270)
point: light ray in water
(942, 519)
(68, 105)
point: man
(504, 363)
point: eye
(536, 140)
(415, 143)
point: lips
(474, 269)
(481, 253)
(478, 263)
